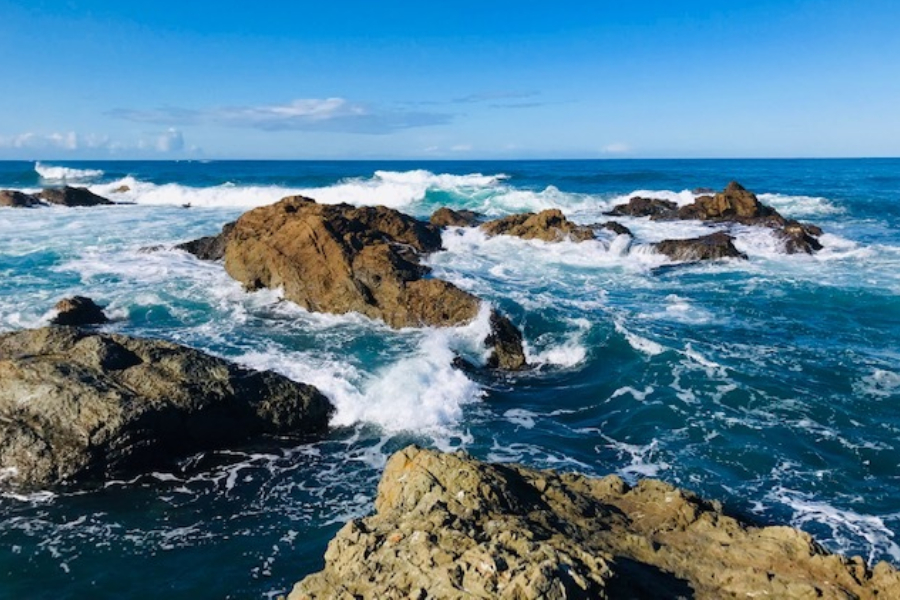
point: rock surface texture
(708, 247)
(18, 199)
(71, 196)
(447, 526)
(338, 258)
(77, 405)
(78, 310)
(549, 225)
(447, 217)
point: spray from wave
(56, 174)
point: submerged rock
(447, 217)
(708, 247)
(77, 405)
(614, 226)
(549, 225)
(71, 196)
(78, 310)
(338, 258)
(15, 199)
(447, 526)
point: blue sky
(362, 79)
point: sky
(98, 79)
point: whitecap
(51, 173)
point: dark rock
(506, 340)
(615, 227)
(211, 247)
(708, 247)
(77, 311)
(447, 526)
(645, 207)
(76, 406)
(800, 238)
(70, 196)
(733, 204)
(548, 225)
(447, 217)
(16, 199)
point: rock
(447, 217)
(447, 526)
(645, 207)
(78, 310)
(615, 227)
(548, 225)
(211, 247)
(70, 196)
(800, 238)
(76, 406)
(338, 258)
(708, 247)
(506, 341)
(733, 204)
(16, 199)
(121, 189)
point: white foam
(641, 344)
(879, 384)
(53, 173)
(642, 458)
(797, 207)
(521, 417)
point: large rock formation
(78, 310)
(549, 225)
(76, 405)
(16, 199)
(72, 196)
(340, 258)
(708, 247)
(449, 527)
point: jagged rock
(447, 217)
(78, 310)
(645, 207)
(71, 196)
(735, 203)
(121, 189)
(211, 247)
(447, 526)
(506, 341)
(708, 247)
(548, 225)
(800, 238)
(77, 405)
(17, 199)
(338, 258)
(615, 227)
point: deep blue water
(772, 385)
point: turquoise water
(772, 385)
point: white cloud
(170, 141)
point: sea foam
(55, 174)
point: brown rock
(447, 217)
(16, 199)
(708, 247)
(77, 311)
(77, 405)
(548, 225)
(733, 204)
(800, 238)
(447, 526)
(645, 207)
(70, 196)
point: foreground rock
(71, 196)
(15, 199)
(708, 247)
(76, 405)
(549, 225)
(339, 258)
(78, 310)
(447, 526)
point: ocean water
(772, 385)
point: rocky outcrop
(211, 247)
(77, 405)
(645, 207)
(77, 311)
(71, 196)
(614, 226)
(449, 527)
(548, 225)
(708, 247)
(338, 258)
(15, 199)
(447, 217)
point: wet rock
(736, 204)
(121, 189)
(17, 199)
(448, 526)
(77, 311)
(800, 238)
(338, 258)
(71, 196)
(506, 340)
(708, 247)
(447, 217)
(645, 207)
(211, 247)
(614, 226)
(548, 225)
(76, 406)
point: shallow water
(771, 384)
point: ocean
(771, 385)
